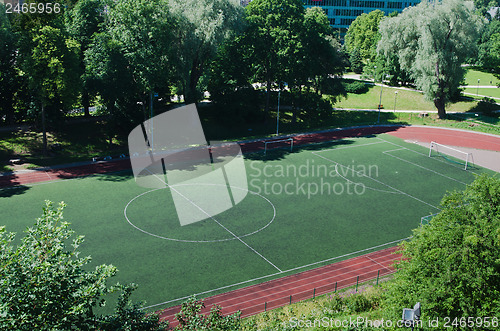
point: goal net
(426, 219)
(281, 143)
(451, 154)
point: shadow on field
(280, 153)
(8, 192)
(121, 176)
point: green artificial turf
(316, 203)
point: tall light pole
(380, 100)
(278, 117)
(395, 95)
(477, 90)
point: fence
(249, 308)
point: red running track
(279, 292)
(425, 134)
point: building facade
(341, 13)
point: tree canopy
(452, 265)
(47, 285)
(363, 35)
(432, 40)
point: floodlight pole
(152, 127)
(380, 100)
(278, 117)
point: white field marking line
(380, 264)
(417, 165)
(289, 289)
(47, 174)
(426, 155)
(348, 180)
(222, 226)
(378, 181)
(274, 274)
(393, 150)
(198, 241)
(344, 147)
(368, 187)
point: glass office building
(341, 13)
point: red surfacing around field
(279, 292)
(449, 137)
(423, 134)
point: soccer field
(315, 205)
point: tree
(84, 20)
(143, 30)
(52, 64)
(274, 36)
(432, 41)
(363, 35)
(47, 285)
(8, 74)
(204, 25)
(452, 264)
(190, 317)
(489, 47)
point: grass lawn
(404, 100)
(316, 203)
(490, 92)
(485, 78)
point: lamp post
(380, 100)
(278, 117)
(477, 90)
(395, 95)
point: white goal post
(267, 142)
(443, 150)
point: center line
(222, 226)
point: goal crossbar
(436, 146)
(266, 142)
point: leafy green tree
(432, 41)
(47, 285)
(452, 265)
(84, 20)
(190, 318)
(489, 47)
(483, 6)
(52, 67)
(143, 29)
(8, 74)
(363, 35)
(356, 61)
(274, 37)
(204, 25)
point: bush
(357, 303)
(356, 87)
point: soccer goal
(427, 219)
(451, 154)
(278, 143)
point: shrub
(357, 303)
(356, 87)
